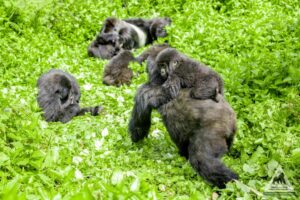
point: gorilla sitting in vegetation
(59, 96)
(203, 130)
(117, 72)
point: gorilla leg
(93, 110)
(204, 153)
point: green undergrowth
(254, 45)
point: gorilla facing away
(126, 34)
(116, 72)
(59, 96)
(203, 130)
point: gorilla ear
(177, 61)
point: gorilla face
(157, 28)
(67, 92)
(71, 99)
(110, 25)
(167, 61)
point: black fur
(203, 130)
(116, 72)
(119, 34)
(150, 55)
(179, 71)
(154, 28)
(104, 51)
(59, 96)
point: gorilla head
(59, 96)
(167, 61)
(150, 55)
(179, 71)
(157, 27)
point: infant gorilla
(179, 71)
(203, 130)
(127, 34)
(59, 96)
(116, 72)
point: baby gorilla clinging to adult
(116, 72)
(59, 96)
(179, 71)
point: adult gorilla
(203, 130)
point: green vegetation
(254, 45)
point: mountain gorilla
(203, 130)
(116, 72)
(127, 34)
(101, 49)
(179, 71)
(59, 96)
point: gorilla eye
(175, 63)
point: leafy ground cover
(254, 45)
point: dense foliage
(253, 44)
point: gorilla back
(59, 96)
(203, 130)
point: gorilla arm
(172, 86)
(147, 97)
(93, 110)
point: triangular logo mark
(279, 186)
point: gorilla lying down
(127, 34)
(59, 96)
(203, 130)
